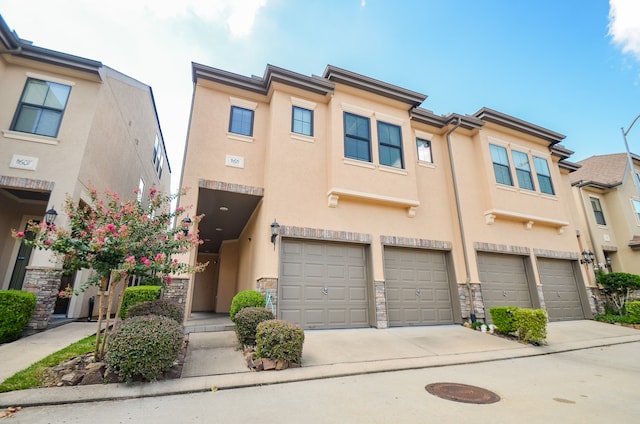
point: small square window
(424, 150)
(241, 121)
(302, 121)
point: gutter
(472, 314)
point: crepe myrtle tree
(118, 239)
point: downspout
(472, 314)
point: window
(357, 137)
(597, 211)
(501, 164)
(636, 207)
(158, 157)
(544, 176)
(302, 121)
(140, 193)
(424, 150)
(41, 108)
(241, 121)
(523, 169)
(390, 145)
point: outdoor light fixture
(185, 225)
(50, 217)
(587, 257)
(275, 227)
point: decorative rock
(92, 376)
(268, 364)
(71, 379)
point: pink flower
(130, 260)
(145, 261)
(20, 234)
(111, 228)
(47, 242)
(159, 257)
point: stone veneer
(596, 301)
(478, 304)
(382, 319)
(322, 234)
(44, 282)
(176, 291)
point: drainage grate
(462, 393)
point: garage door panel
(357, 272)
(503, 281)
(291, 269)
(560, 289)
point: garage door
(560, 290)
(417, 287)
(503, 281)
(323, 284)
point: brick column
(382, 320)
(176, 291)
(44, 283)
(475, 297)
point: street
(597, 385)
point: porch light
(50, 217)
(275, 229)
(587, 257)
(185, 225)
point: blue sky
(572, 66)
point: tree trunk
(112, 290)
(103, 286)
(121, 298)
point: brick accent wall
(176, 291)
(382, 320)
(44, 283)
(502, 248)
(322, 234)
(30, 183)
(465, 299)
(415, 242)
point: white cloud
(624, 25)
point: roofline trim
(490, 115)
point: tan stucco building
(607, 189)
(67, 123)
(388, 214)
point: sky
(571, 66)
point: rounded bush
(245, 299)
(138, 294)
(16, 308)
(144, 347)
(161, 307)
(279, 340)
(247, 321)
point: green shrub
(144, 347)
(247, 321)
(16, 308)
(531, 325)
(503, 318)
(633, 309)
(161, 307)
(613, 318)
(277, 339)
(138, 294)
(245, 299)
(617, 287)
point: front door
(22, 260)
(62, 303)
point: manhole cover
(462, 393)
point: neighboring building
(66, 123)
(388, 215)
(607, 191)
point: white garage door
(560, 290)
(417, 287)
(323, 284)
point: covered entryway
(503, 281)
(323, 284)
(417, 287)
(560, 289)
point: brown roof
(607, 170)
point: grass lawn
(32, 377)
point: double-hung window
(241, 121)
(158, 157)
(501, 164)
(357, 137)
(636, 208)
(544, 175)
(597, 211)
(523, 169)
(390, 145)
(302, 121)
(424, 150)
(41, 107)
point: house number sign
(234, 161)
(24, 162)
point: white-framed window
(501, 166)
(424, 150)
(241, 121)
(544, 175)
(523, 170)
(357, 137)
(598, 213)
(302, 121)
(158, 157)
(390, 145)
(41, 107)
(636, 208)
(140, 194)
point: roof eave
(490, 115)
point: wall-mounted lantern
(275, 229)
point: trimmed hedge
(633, 309)
(138, 294)
(531, 325)
(160, 307)
(279, 340)
(245, 299)
(144, 347)
(247, 321)
(503, 318)
(16, 308)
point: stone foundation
(44, 283)
(176, 291)
(596, 300)
(464, 298)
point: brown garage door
(503, 281)
(323, 284)
(560, 290)
(417, 287)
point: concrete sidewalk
(213, 361)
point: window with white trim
(158, 157)
(140, 193)
(636, 208)
(544, 175)
(523, 170)
(357, 137)
(390, 145)
(241, 121)
(501, 166)
(597, 211)
(41, 107)
(302, 121)
(424, 150)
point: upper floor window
(597, 211)
(158, 157)
(357, 137)
(140, 193)
(302, 121)
(390, 145)
(41, 107)
(636, 207)
(544, 175)
(241, 121)
(501, 164)
(424, 150)
(523, 169)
